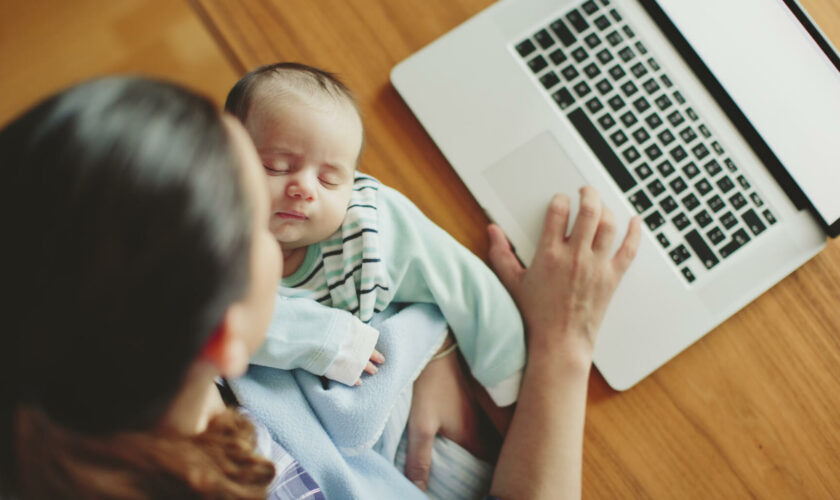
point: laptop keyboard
(697, 203)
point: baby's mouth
(290, 215)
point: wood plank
(749, 410)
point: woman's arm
(563, 296)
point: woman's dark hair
(126, 236)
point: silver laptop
(717, 121)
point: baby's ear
(226, 349)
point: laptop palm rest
(527, 178)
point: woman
(139, 267)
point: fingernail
(420, 484)
(358, 382)
(374, 369)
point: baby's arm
(427, 265)
(319, 339)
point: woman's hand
(443, 403)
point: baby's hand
(371, 368)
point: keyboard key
(641, 104)
(605, 56)
(641, 48)
(771, 219)
(653, 64)
(666, 137)
(703, 218)
(730, 165)
(592, 40)
(643, 171)
(618, 138)
(663, 240)
(614, 38)
(563, 33)
(713, 168)
(617, 73)
(690, 170)
(703, 130)
(579, 54)
(606, 121)
(725, 184)
(602, 22)
(537, 64)
(641, 136)
(691, 114)
(594, 105)
(663, 102)
(679, 255)
(626, 54)
(592, 70)
(640, 201)
(728, 220)
(753, 222)
(577, 21)
(549, 80)
(700, 151)
(715, 235)
(651, 86)
(629, 88)
(654, 221)
(653, 152)
(688, 135)
(563, 98)
(690, 202)
(739, 239)
(655, 187)
(629, 119)
(703, 187)
(602, 150)
(616, 102)
(525, 48)
(589, 7)
(628, 32)
(615, 15)
(756, 199)
(543, 39)
(716, 203)
(681, 221)
(604, 86)
(717, 148)
(668, 83)
(678, 185)
(737, 201)
(678, 154)
(677, 95)
(569, 73)
(675, 118)
(557, 57)
(638, 70)
(653, 121)
(631, 154)
(665, 168)
(689, 276)
(743, 182)
(668, 204)
(701, 249)
(582, 88)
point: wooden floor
(762, 419)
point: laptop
(717, 121)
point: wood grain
(750, 410)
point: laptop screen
(782, 80)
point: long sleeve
(426, 264)
(321, 340)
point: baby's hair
(287, 77)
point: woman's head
(134, 223)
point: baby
(352, 246)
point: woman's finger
(627, 251)
(605, 233)
(418, 460)
(502, 259)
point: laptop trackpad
(527, 178)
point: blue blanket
(332, 431)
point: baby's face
(309, 154)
